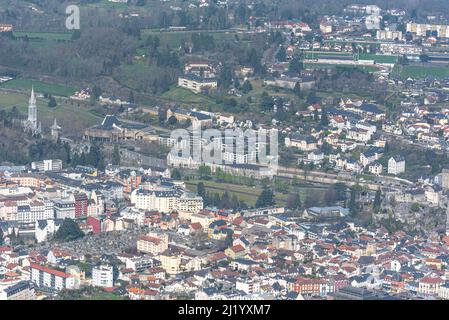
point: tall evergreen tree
(116, 156)
(266, 198)
(377, 201)
(353, 205)
(201, 190)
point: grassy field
(176, 38)
(109, 4)
(245, 193)
(349, 66)
(55, 36)
(64, 112)
(417, 71)
(185, 95)
(104, 296)
(316, 55)
(379, 58)
(39, 87)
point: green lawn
(249, 194)
(187, 97)
(39, 87)
(379, 58)
(64, 110)
(104, 296)
(56, 36)
(175, 38)
(417, 71)
(316, 55)
(349, 66)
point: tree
(353, 205)
(297, 90)
(330, 196)
(68, 231)
(267, 102)
(324, 119)
(246, 87)
(176, 175)
(377, 201)
(295, 65)
(266, 198)
(294, 201)
(201, 190)
(281, 55)
(52, 102)
(96, 92)
(172, 121)
(225, 201)
(340, 190)
(116, 156)
(204, 172)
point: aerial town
(101, 198)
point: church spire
(32, 97)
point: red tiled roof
(49, 270)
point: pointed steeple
(55, 125)
(32, 97)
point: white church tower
(31, 124)
(32, 110)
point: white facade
(166, 201)
(396, 166)
(47, 165)
(103, 276)
(51, 278)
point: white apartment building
(389, 35)
(64, 209)
(359, 134)
(375, 168)
(54, 279)
(47, 165)
(103, 276)
(396, 165)
(420, 29)
(166, 200)
(195, 83)
(249, 286)
(34, 211)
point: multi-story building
(47, 165)
(249, 286)
(396, 165)
(195, 83)
(64, 209)
(49, 278)
(429, 285)
(23, 290)
(388, 35)
(371, 155)
(34, 211)
(171, 263)
(166, 200)
(152, 243)
(423, 29)
(103, 276)
(81, 204)
(301, 142)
